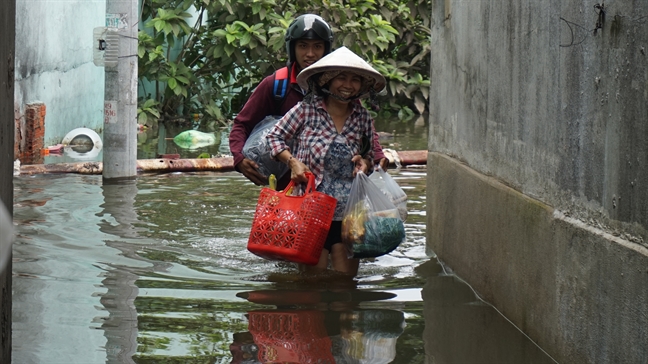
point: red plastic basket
(295, 336)
(291, 228)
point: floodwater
(156, 270)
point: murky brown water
(157, 271)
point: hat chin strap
(326, 91)
(308, 98)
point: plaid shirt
(313, 129)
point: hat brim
(342, 59)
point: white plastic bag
(390, 187)
(371, 226)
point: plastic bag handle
(310, 186)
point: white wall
(54, 63)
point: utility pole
(120, 97)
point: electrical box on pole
(105, 52)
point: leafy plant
(147, 112)
(206, 56)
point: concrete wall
(538, 167)
(54, 64)
(7, 39)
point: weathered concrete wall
(54, 64)
(527, 93)
(563, 119)
(7, 48)
(579, 292)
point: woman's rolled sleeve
(284, 130)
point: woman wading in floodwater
(333, 133)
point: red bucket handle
(310, 186)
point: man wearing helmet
(308, 39)
(308, 31)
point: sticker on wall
(119, 21)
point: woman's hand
(361, 164)
(298, 170)
(384, 164)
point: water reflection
(290, 336)
(119, 219)
(156, 270)
(158, 140)
(459, 328)
(187, 140)
(318, 326)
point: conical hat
(342, 59)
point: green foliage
(147, 112)
(206, 56)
